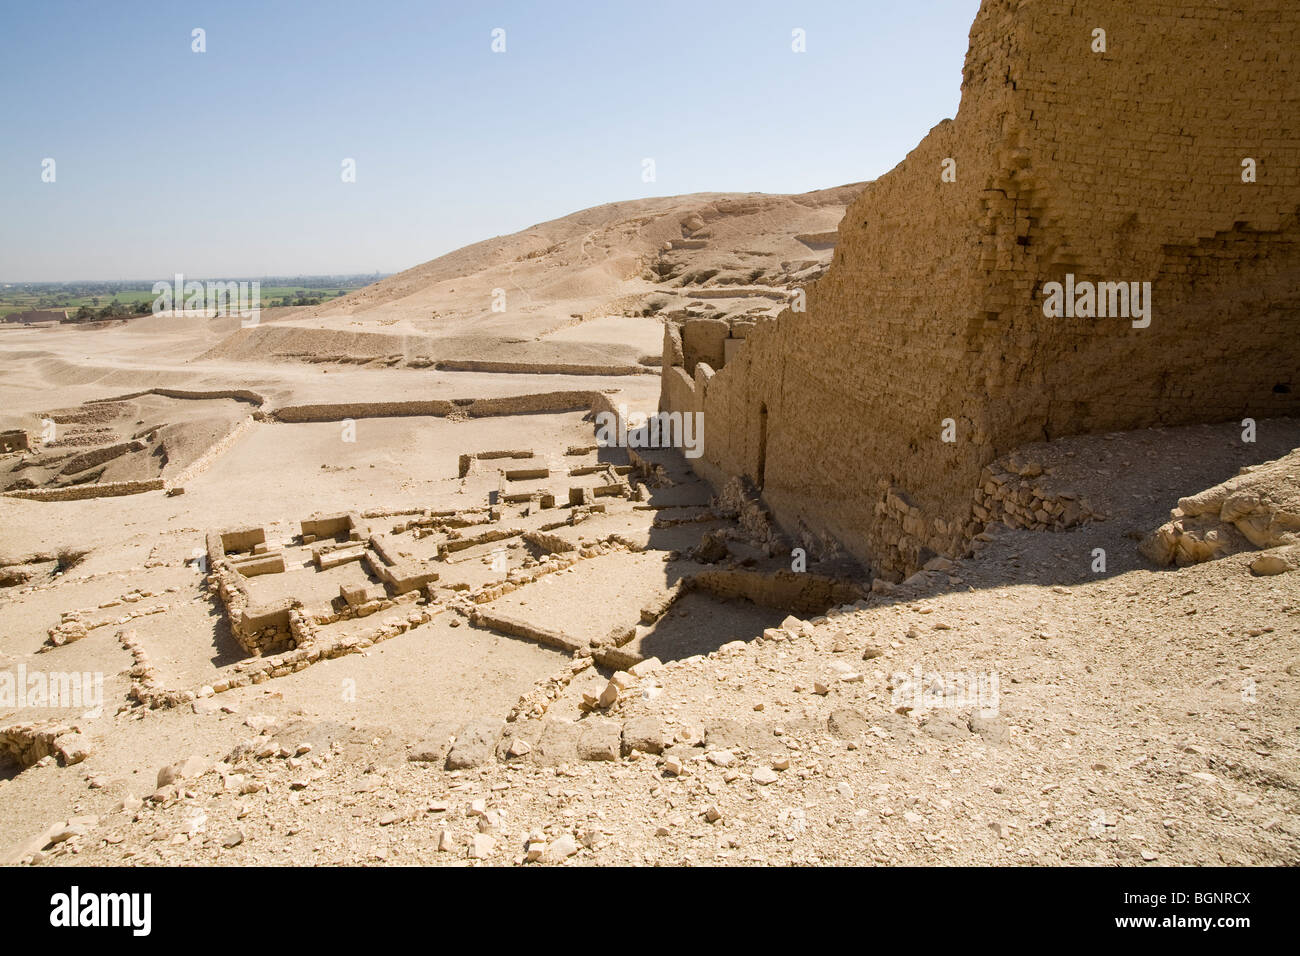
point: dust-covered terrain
(310, 592)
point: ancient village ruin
(363, 582)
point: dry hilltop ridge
(362, 583)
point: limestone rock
(434, 747)
(481, 846)
(561, 849)
(558, 743)
(1276, 561)
(646, 734)
(65, 832)
(1259, 508)
(71, 748)
(712, 548)
(475, 744)
(600, 739)
(186, 769)
(609, 696)
(645, 668)
(721, 758)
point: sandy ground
(1140, 715)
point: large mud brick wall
(1122, 165)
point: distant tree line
(114, 310)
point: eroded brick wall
(1117, 166)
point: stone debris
(1258, 508)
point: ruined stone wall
(14, 439)
(1124, 165)
(106, 489)
(238, 394)
(564, 401)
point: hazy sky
(229, 162)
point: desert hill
(583, 293)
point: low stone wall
(29, 743)
(518, 627)
(145, 687)
(456, 542)
(266, 629)
(538, 368)
(339, 411)
(605, 646)
(321, 525)
(108, 489)
(238, 394)
(309, 651)
(14, 439)
(740, 499)
(565, 401)
(546, 691)
(467, 461)
(550, 543)
(99, 456)
(784, 590)
(399, 575)
(258, 629)
(1026, 500)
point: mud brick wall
(563, 401)
(107, 489)
(14, 439)
(1117, 166)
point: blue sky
(228, 162)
